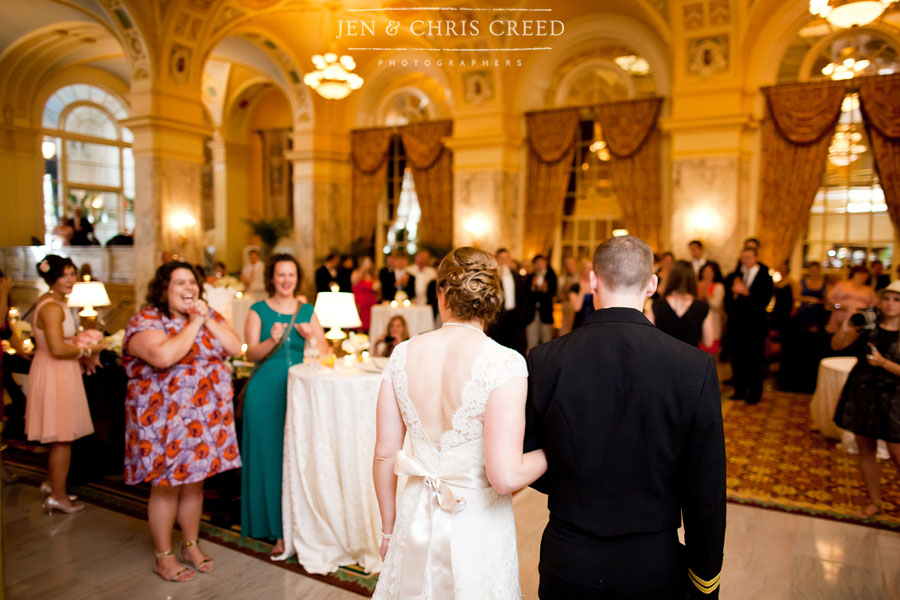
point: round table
(833, 373)
(419, 319)
(329, 508)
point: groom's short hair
(624, 263)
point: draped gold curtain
(630, 131)
(551, 142)
(880, 103)
(369, 154)
(795, 140)
(432, 169)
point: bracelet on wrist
(386, 536)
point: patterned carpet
(776, 461)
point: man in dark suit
(394, 278)
(878, 278)
(747, 293)
(631, 421)
(327, 274)
(540, 288)
(507, 329)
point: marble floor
(100, 554)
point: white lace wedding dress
(454, 536)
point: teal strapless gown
(262, 442)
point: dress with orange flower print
(179, 422)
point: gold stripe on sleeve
(707, 587)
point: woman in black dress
(678, 312)
(870, 402)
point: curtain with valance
(795, 140)
(432, 169)
(879, 99)
(551, 143)
(369, 155)
(632, 136)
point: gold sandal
(183, 575)
(207, 565)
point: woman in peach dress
(57, 410)
(849, 296)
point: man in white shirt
(424, 273)
(698, 256)
(507, 330)
(252, 275)
(748, 291)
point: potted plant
(270, 231)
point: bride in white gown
(461, 397)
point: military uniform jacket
(631, 421)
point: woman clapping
(178, 411)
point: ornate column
(168, 157)
(230, 186)
(21, 170)
(713, 133)
(488, 166)
(322, 195)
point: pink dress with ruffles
(57, 408)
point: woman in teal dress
(265, 402)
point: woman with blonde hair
(397, 331)
(461, 398)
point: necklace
(454, 324)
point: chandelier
(849, 13)
(599, 148)
(845, 146)
(333, 77)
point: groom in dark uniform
(631, 421)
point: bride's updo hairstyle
(471, 283)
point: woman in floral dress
(178, 411)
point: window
(398, 221)
(848, 221)
(401, 222)
(591, 213)
(88, 163)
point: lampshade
(87, 295)
(336, 310)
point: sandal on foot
(866, 513)
(207, 565)
(182, 575)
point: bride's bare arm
(508, 468)
(389, 439)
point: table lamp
(336, 310)
(86, 295)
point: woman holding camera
(870, 402)
(397, 331)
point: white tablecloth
(833, 373)
(419, 319)
(234, 310)
(330, 512)
(240, 308)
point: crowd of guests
(181, 413)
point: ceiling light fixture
(849, 13)
(333, 78)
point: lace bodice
(494, 366)
(482, 536)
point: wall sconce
(182, 222)
(704, 220)
(48, 149)
(619, 232)
(477, 226)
